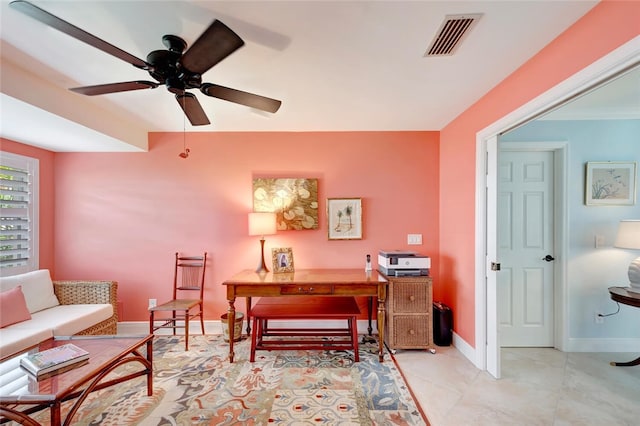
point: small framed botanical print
(344, 216)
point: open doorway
(602, 71)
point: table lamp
(262, 224)
(629, 238)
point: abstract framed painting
(293, 200)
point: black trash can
(442, 324)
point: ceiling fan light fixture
(174, 43)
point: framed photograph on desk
(282, 260)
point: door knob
(549, 258)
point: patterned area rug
(201, 387)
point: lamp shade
(262, 223)
(628, 235)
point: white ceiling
(336, 66)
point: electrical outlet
(599, 319)
(414, 239)
(599, 241)
(153, 303)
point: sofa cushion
(36, 286)
(18, 339)
(13, 307)
(66, 320)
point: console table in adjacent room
(307, 282)
(622, 295)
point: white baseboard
(574, 345)
(465, 349)
(603, 345)
(215, 326)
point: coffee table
(21, 394)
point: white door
(525, 238)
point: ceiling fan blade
(192, 109)
(53, 21)
(216, 43)
(103, 89)
(240, 97)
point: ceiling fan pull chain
(185, 150)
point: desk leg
(369, 337)
(248, 303)
(380, 320)
(150, 369)
(369, 311)
(231, 321)
(626, 364)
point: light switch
(414, 239)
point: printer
(403, 263)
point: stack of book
(55, 360)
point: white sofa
(57, 308)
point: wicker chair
(78, 292)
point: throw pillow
(37, 288)
(13, 307)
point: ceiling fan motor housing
(166, 68)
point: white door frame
(486, 334)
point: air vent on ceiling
(451, 32)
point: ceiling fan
(177, 69)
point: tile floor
(539, 386)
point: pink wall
(46, 160)
(606, 27)
(122, 216)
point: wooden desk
(307, 282)
(622, 295)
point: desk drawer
(306, 289)
(410, 331)
(410, 297)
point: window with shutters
(18, 214)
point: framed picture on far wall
(344, 217)
(611, 183)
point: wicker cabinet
(409, 307)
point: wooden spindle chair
(188, 280)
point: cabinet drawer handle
(412, 298)
(412, 332)
(303, 290)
